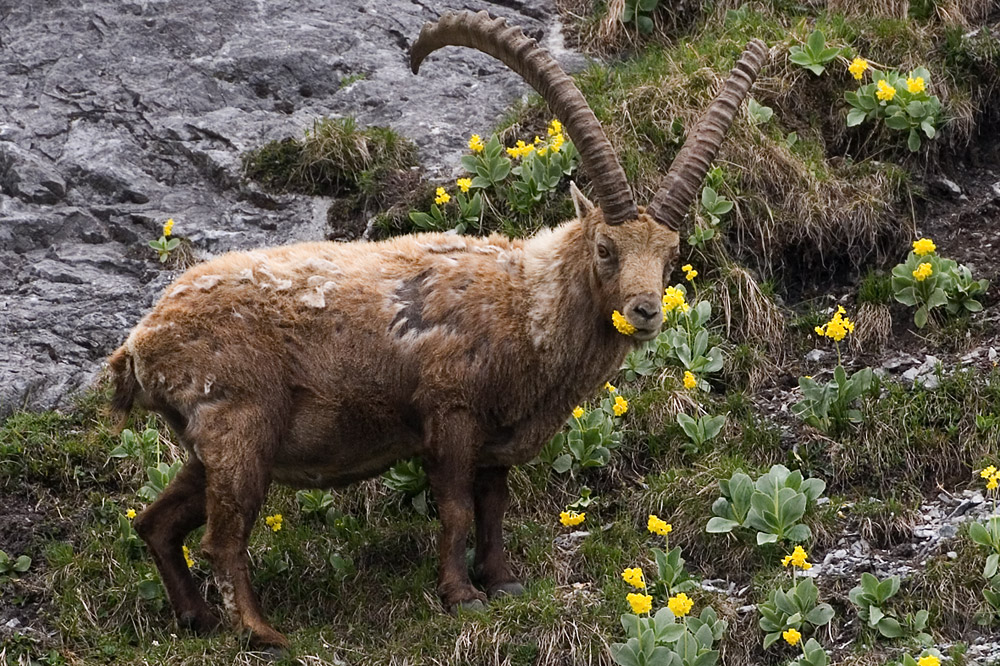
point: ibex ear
(580, 202)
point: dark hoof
(468, 606)
(275, 653)
(199, 622)
(509, 589)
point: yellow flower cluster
(929, 660)
(187, 557)
(476, 144)
(441, 197)
(838, 327)
(578, 412)
(168, 227)
(640, 603)
(520, 150)
(622, 324)
(690, 381)
(555, 127)
(691, 273)
(923, 247)
(620, 406)
(571, 518)
(274, 522)
(857, 68)
(797, 559)
(792, 636)
(610, 388)
(464, 184)
(657, 525)
(885, 92)
(916, 85)
(634, 578)
(673, 299)
(680, 605)
(130, 514)
(923, 272)
(992, 477)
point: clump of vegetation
(334, 158)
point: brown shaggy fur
(319, 364)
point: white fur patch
(443, 248)
(206, 282)
(176, 291)
(316, 298)
(246, 275)
(278, 284)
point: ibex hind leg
(492, 569)
(163, 526)
(238, 461)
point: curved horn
(523, 55)
(679, 187)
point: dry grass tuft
(749, 313)
(873, 325)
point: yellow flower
(464, 184)
(992, 483)
(988, 472)
(274, 522)
(673, 298)
(792, 636)
(520, 150)
(915, 85)
(923, 272)
(838, 327)
(691, 274)
(885, 91)
(923, 246)
(476, 144)
(130, 514)
(609, 388)
(168, 227)
(557, 142)
(690, 382)
(680, 605)
(640, 603)
(929, 660)
(634, 578)
(797, 559)
(442, 196)
(857, 68)
(657, 525)
(555, 127)
(571, 518)
(187, 557)
(621, 323)
(578, 412)
(620, 406)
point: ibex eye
(603, 252)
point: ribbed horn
(523, 55)
(680, 186)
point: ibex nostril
(645, 311)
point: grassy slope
(61, 496)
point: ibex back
(319, 364)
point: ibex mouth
(645, 334)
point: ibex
(319, 364)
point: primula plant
(870, 597)
(813, 654)
(165, 245)
(409, 478)
(661, 640)
(927, 281)
(714, 206)
(13, 566)
(902, 102)
(700, 430)
(506, 181)
(640, 12)
(590, 437)
(773, 505)
(795, 608)
(814, 54)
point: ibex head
(632, 250)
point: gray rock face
(117, 115)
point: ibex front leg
(454, 439)
(492, 568)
